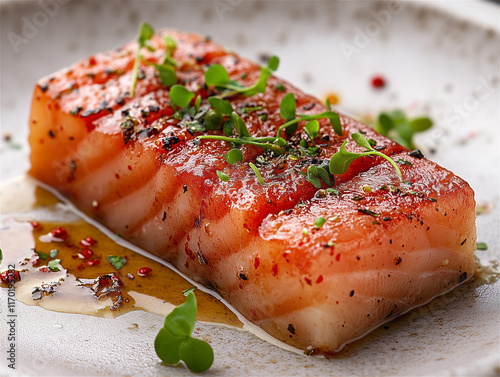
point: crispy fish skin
(380, 253)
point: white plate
(439, 59)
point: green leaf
(273, 63)
(420, 124)
(221, 105)
(340, 161)
(288, 107)
(186, 292)
(239, 124)
(166, 73)
(180, 96)
(216, 75)
(385, 124)
(197, 354)
(180, 321)
(116, 261)
(260, 85)
(41, 255)
(257, 173)
(222, 176)
(54, 265)
(213, 120)
(312, 128)
(146, 32)
(170, 43)
(1, 255)
(319, 222)
(228, 128)
(360, 139)
(325, 175)
(53, 253)
(233, 156)
(335, 122)
(167, 346)
(481, 246)
(313, 176)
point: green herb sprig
(216, 75)
(166, 70)
(340, 161)
(174, 342)
(399, 128)
(287, 112)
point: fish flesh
(135, 165)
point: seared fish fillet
(386, 246)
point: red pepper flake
(256, 262)
(93, 262)
(85, 254)
(35, 225)
(144, 271)
(60, 232)
(89, 241)
(44, 269)
(308, 281)
(378, 82)
(319, 279)
(337, 257)
(275, 269)
(80, 266)
(10, 276)
(35, 260)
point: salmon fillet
(386, 246)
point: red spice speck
(337, 257)
(308, 281)
(60, 232)
(80, 266)
(89, 241)
(256, 262)
(10, 276)
(275, 269)
(144, 271)
(44, 269)
(319, 279)
(85, 254)
(35, 225)
(93, 262)
(378, 82)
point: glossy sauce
(70, 289)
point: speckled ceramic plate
(439, 59)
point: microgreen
(146, 32)
(174, 342)
(1, 256)
(233, 156)
(334, 120)
(53, 253)
(170, 47)
(221, 105)
(42, 255)
(222, 176)
(257, 174)
(287, 112)
(116, 261)
(481, 246)
(213, 120)
(311, 129)
(216, 75)
(316, 174)
(340, 161)
(319, 222)
(54, 265)
(180, 96)
(166, 73)
(396, 126)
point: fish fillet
(385, 248)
